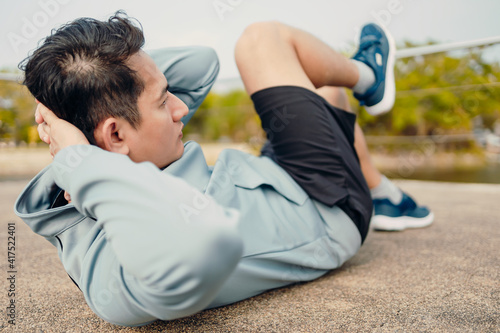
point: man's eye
(164, 102)
(166, 99)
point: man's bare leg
(307, 139)
(338, 98)
(270, 54)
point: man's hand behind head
(57, 132)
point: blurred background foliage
(227, 117)
(436, 95)
(17, 108)
(440, 94)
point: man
(151, 231)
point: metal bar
(418, 139)
(404, 53)
(415, 139)
(423, 50)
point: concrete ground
(444, 278)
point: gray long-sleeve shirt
(144, 244)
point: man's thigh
(266, 58)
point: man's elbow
(207, 57)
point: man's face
(158, 139)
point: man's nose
(180, 110)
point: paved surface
(444, 278)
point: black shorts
(314, 142)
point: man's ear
(110, 135)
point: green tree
(440, 92)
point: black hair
(80, 72)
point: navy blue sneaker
(407, 214)
(377, 50)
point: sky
(218, 23)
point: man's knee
(258, 30)
(256, 35)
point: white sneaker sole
(381, 222)
(387, 102)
